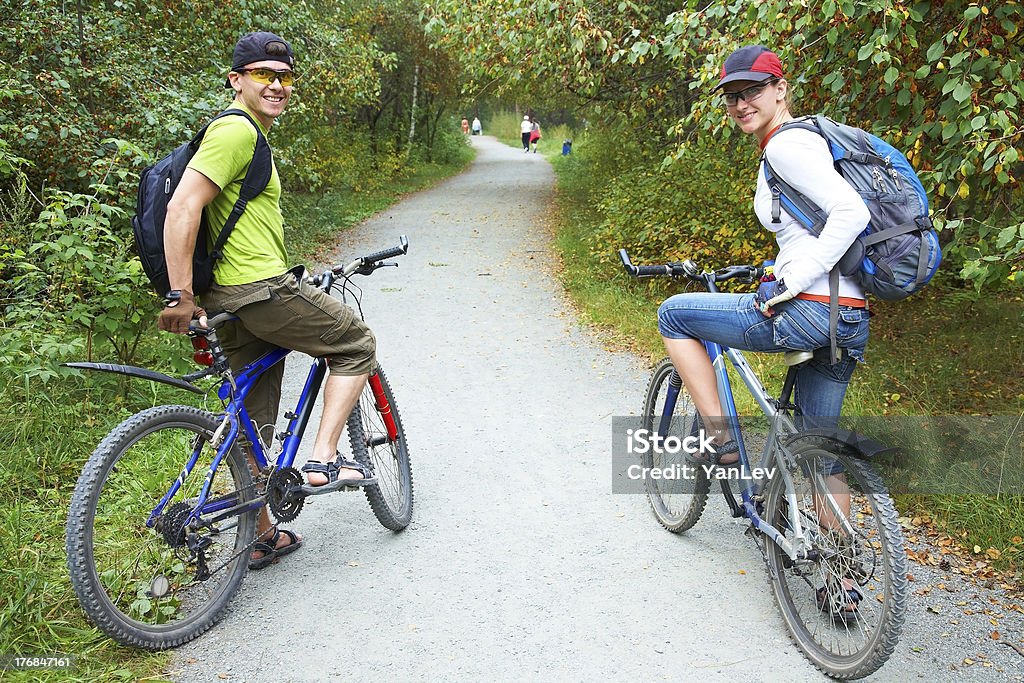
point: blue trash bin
(566, 147)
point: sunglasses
(268, 76)
(750, 94)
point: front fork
(383, 406)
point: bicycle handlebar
(402, 248)
(364, 265)
(688, 269)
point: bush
(697, 208)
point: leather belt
(843, 300)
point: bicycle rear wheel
(677, 502)
(159, 584)
(391, 497)
(845, 605)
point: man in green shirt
(252, 281)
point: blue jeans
(798, 325)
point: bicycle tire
(678, 503)
(134, 584)
(810, 593)
(391, 497)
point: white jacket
(802, 159)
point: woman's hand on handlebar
(769, 294)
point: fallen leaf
(994, 635)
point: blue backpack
(898, 252)
(156, 186)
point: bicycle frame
(234, 391)
(774, 450)
(781, 424)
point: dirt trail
(520, 563)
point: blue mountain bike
(163, 519)
(817, 510)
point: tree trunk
(412, 113)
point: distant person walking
(465, 126)
(526, 127)
(535, 135)
(477, 129)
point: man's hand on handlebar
(179, 312)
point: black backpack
(156, 186)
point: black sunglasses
(750, 94)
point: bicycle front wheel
(157, 581)
(391, 496)
(677, 500)
(845, 603)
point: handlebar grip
(212, 323)
(403, 248)
(652, 271)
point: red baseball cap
(750, 63)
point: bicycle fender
(849, 442)
(143, 373)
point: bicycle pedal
(340, 485)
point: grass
(49, 431)
(945, 351)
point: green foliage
(938, 80)
(77, 276)
(697, 208)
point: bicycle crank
(284, 494)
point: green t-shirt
(255, 250)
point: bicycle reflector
(202, 354)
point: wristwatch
(172, 298)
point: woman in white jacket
(790, 313)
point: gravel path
(520, 564)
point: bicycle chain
(246, 549)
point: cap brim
(756, 76)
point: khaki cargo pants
(285, 311)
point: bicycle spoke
(676, 503)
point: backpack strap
(833, 315)
(797, 205)
(257, 177)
